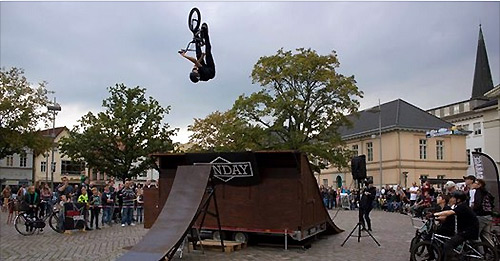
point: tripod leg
(378, 244)
(350, 234)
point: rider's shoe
(204, 28)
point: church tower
(482, 75)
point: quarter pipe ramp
(176, 216)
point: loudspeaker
(358, 167)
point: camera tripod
(360, 222)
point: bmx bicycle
(194, 23)
(432, 249)
(27, 225)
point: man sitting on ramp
(203, 69)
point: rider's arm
(192, 59)
(444, 213)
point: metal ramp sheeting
(176, 216)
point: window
(441, 184)
(465, 127)
(466, 106)
(478, 150)
(439, 149)
(424, 177)
(369, 151)
(468, 156)
(437, 113)
(94, 174)
(446, 111)
(423, 148)
(477, 128)
(72, 167)
(23, 159)
(43, 166)
(456, 109)
(9, 161)
(355, 150)
(54, 164)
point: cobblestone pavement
(393, 231)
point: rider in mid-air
(204, 66)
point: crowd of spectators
(102, 205)
(469, 201)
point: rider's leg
(198, 50)
(208, 47)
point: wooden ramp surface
(215, 245)
(174, 219)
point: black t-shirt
(206, 72)
(467, 223)
(447, 228)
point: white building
(17, 169)
(480, 113)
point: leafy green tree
(119, 140)
(302, 102)
(224, 131)
(22, 108)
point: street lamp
(54, 107)
(379, 111)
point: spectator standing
(84, 199)
(128, 197)
(32, 199)
(6, 194)
(46, 197)
(65, 189)
(413, 193)
(108, 204)
(450, 187)
(140, 205)
(482, 207)
(95, 204)
(332, 193)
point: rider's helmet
(194, 76)
(459, 195)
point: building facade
(480, 113)
(62, 164)
(17, 169)
(408, 155)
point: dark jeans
(139, 213)
(128, 212)
(364, 215)
(94, 214)
(208, 62)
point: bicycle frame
(441, 239)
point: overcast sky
(421, 52)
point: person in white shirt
(413, 193)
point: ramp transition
(176, 216)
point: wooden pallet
(214, 245)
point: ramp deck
(176, 216)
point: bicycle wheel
(23, 225)
(194, 20)
(55, 224)
(480, 251)
(413, 242)
(425, 250)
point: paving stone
(392, 230)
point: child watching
(95, 203)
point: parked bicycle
(423, 231)
(28, 225)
